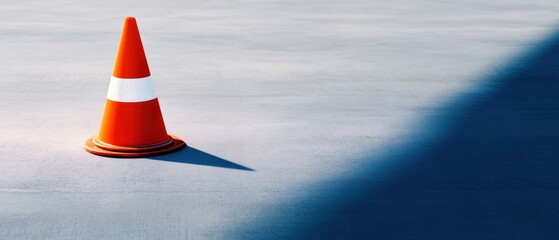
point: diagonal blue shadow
(190, 155)
(493, 174)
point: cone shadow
(190, 155)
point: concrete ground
(312, 120)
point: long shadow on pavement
(494, 174)
(192, 155)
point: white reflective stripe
(131, 89)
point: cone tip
(130, 19)
(130, 59)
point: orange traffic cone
(132, 124)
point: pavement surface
(311, 120)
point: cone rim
(140, 148)
(177, 143)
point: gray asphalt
(291, 112)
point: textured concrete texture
(315, 119)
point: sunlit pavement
(301, 119)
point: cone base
(176, 144)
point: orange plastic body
(132, 129)
(132, 124)
(131, 59)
